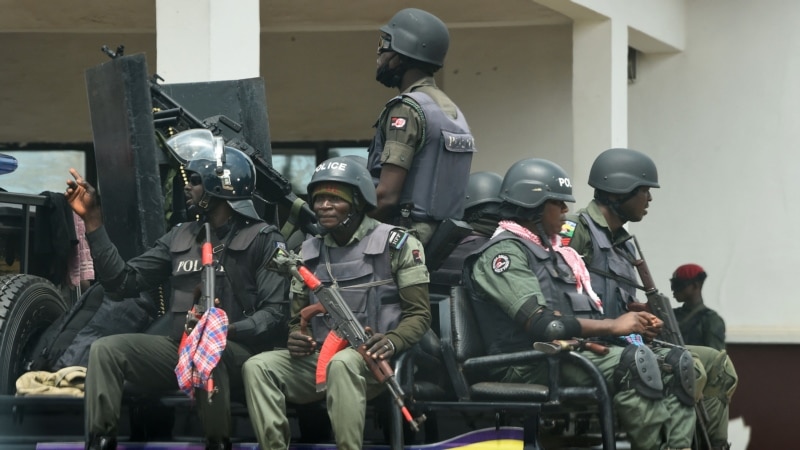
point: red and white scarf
(573, 259)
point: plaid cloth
(80, 265)
(635, 339)
(200, 352)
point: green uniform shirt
(701, 326)
(512, 286)
(407, 271)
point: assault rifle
(660, 306)
(170, 117)
(206, 301)
(570, 345)
(345, 329)
(657, 302)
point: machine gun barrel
(659, 305)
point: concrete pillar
(599, 95)
(207, 40)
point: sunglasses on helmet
(195, 179)
(384, 44)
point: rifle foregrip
(380, 368)
(307, 313)
(597, 349)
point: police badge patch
(397, 239)
(500, 263)
(398, 123)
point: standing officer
(699, 324)
(526, 287)
(220, 189)
(380, 272)
(421, 154)
(622, 179)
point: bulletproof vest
(449, 273)
(363, 274)
(187, 269)
(610, 259)
(436, 183)
(558, 285)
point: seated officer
(480, 212)
(526, 287)
(252, 296)
(380, 272)
(622, 179)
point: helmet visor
(191, 144)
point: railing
(26, 200)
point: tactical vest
(558, 285)
(363, 274)
(187, 269)
(610, 259)
(436, 183)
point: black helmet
(418, 35)
(530, 182)
(350, 171)
(621, 170)
(227, 173)
(483, 188)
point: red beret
(688, 272)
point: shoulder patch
(501, 263)
(398, 123)
(397, 238)
(567, 230)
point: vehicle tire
(28, 305)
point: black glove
(379, 346)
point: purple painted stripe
(485, 436)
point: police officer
(526, 287)
(622, 179)
(421, 154)
(699, 324)
(380, 272)
(481, 207)
(219, 188)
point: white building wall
(721, 121)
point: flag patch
(398, 123)
(567, 230)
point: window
(42, 170)
(297, 160)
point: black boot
(102, 443)
(224, 444)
